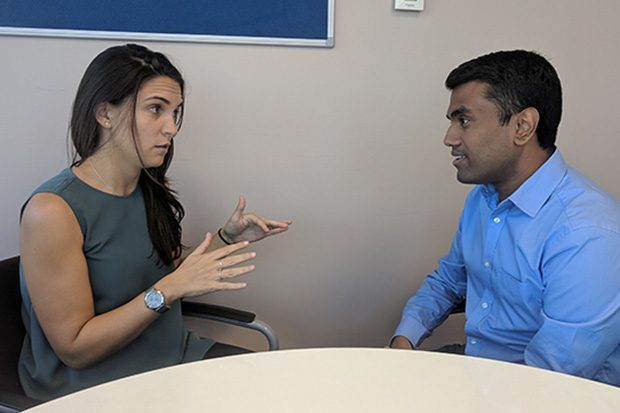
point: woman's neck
(109, 174)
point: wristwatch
(154, 299)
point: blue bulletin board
(280, 22)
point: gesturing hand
(250, 227)
(204, 272)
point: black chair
(12, 397)
(458, 308)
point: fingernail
(253, 254)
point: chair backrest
(11, 325)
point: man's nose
(451, 137)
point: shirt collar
(534, 192)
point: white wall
(345, 141)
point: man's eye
(464, 122)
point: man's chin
(465, 179)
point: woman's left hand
(250, 227)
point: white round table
(344, 380)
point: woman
(99, 242)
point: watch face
(154, 299)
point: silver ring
(219, 273)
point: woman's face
(158, 106)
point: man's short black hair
(516, 80)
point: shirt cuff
(412, 330)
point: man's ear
(526, 124)
(102, 114)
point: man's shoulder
(585, 204)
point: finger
(202, 248)
(220, 253)
(237, 258)
(257, 221)
(276, 231)
(231, 286)
(236, 271)
(278, 224)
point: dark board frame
(271, 22)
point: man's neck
(527, 165)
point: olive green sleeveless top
(121, 265)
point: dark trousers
(223, 350)
(452, 349)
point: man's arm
(581, 303)
(434, 300)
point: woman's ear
(526, 124)
(102, 114)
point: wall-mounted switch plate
(415, 5)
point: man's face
(483, 148)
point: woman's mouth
(164, 148)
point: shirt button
(497, 220)
(484, 305)
(473, 341)
(487, 264)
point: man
(537, 250)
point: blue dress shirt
(541, 274)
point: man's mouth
(458, 158)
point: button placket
(494, 228)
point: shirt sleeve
(581, 303)
(436, 297)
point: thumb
(238, 213)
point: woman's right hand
(204, 272)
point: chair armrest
(203, 310)
(232, 316)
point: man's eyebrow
(458, 111)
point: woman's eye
(156, 109)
